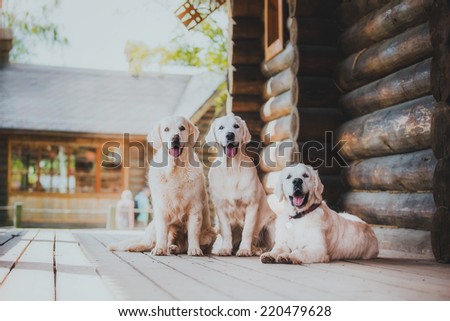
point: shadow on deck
(75, 265)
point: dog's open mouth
(176, 150)
(231, 149)
(299, 199)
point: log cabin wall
(3, 178)
(394, 76)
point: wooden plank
(345, 287)
(123, 280)
(9, 239)
(32, 277)
(76, 279)
(9, 258)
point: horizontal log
(314, 122)
(317, 92)
(247, 8)
(317, 60)
(440, 73)
(287, 59)
(384, 58)
(246, 103)
(401, 86)
(440, 237)
(316, 31)
(247, 80)
(409, 172)
(247, 28)
(351, 11)
(407, 241)
(247, 52)
(441, 183)
(440, 131)
(406, 210)
(277, 107)
(440, 23)
(321, 156)
(399, 129)
(280, 129)
(279, 83)
(386, 22)
(277, 156)
(312, 8)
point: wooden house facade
(367, 80)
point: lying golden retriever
(246, 221)
(181, 221)
(308, 231)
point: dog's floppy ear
(278, 191)
(193, 133)
(154, 137)
(318, 186)
(210, 138)
(246, 137)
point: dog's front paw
(284, 258)
(267, 258)
(195, 252)
(295, 260)
(244, 252)
(159, 251)
(224, 252)
(174, 249)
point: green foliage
(30, 28)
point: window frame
(274, 48)
(69, 146)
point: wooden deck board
(76, 279)
(32, 277)
(76, 265)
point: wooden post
(18, 207)
(111, 219)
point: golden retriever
(308, 231)
(181, 221)
(246, 221)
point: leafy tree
(30, 28)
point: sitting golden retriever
(246, 222)
(181, 221)
(308, 231)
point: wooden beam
(440, 131)
(312, 8)
(349, 12)
(317, 60)
(407, 210)
(386, 22)
(314, 122)
(409, 172)
(440, 73)
(277, 106)
(440, 22)
(316, 31)
(247, 8)
(399, 129)
(401, 86)
(287, 59)
(317, 92)
(279, 83)
(247, 80)
(280, 129)
(247, 28)
(385, 57)
(246, 103)
(440, 237)
(441, 183)
(247, 52)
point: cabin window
(274, 29)
(61, 168)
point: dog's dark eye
(166, 129)
(289, 176)
(236, 126)
(182, 128)
(221, 127)
(305, 176)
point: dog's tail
(124, 245)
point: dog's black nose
(176, 138)
(297, 182)
(230, 136)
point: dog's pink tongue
(175, 151)
(231, 151)
(298, 200)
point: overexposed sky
(97, 30)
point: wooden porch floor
(75, 265)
